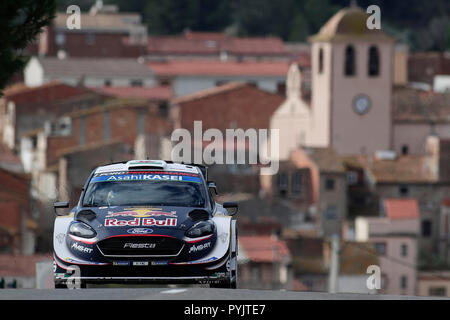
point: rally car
(146, 221)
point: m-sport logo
(140, 231)
(139, 245)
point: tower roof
(349, 23)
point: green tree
(173, 16)
(300, 29)
(20, 22)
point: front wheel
(232, 266)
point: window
(404, 282)
(163, 109)
(352, 177)
(350, 68)
(90, 38)
(60, 38)
(403, 191)
(282, 183)
(374, 61)
(331, 213)
(426, 228)
(329, 184)
(136, 83)
(320, 60)
(281, 88)
(296, 183)
(404, 250)
(437, 291)
(380, 248)
(405, 149)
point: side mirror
(212, 185)
(232, 207)
(60, 205)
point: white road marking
(173, 291)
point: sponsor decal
(200, 247)
(141, 213)
(81, 248)
(130, 245)
(140, 231)
(147, 177)
(160, 263)
(60, 237)
(159, 172)
(144, 222)
(121, 263)
(122, 223)
(196, 261)
(220, 274)
(140, 263)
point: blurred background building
(364, 139)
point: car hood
(162, 220)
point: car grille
(153, 246)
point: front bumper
(213, 272)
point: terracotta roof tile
(7, 156)
(410, 105)
(219, 68)
(149, 93)
(401, 208)
(214, 43)
(263, 248)
(49, 92)
(404, 169)
(326, 159)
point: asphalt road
(183, 294)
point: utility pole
(334, 265)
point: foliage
(20, 22)
(424, 25)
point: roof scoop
(146, 164)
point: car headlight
(82, 230)
(200, 229)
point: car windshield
(162, 189)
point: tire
(232, 284)
(60, 286)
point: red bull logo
(145, 222)
(142, 213)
